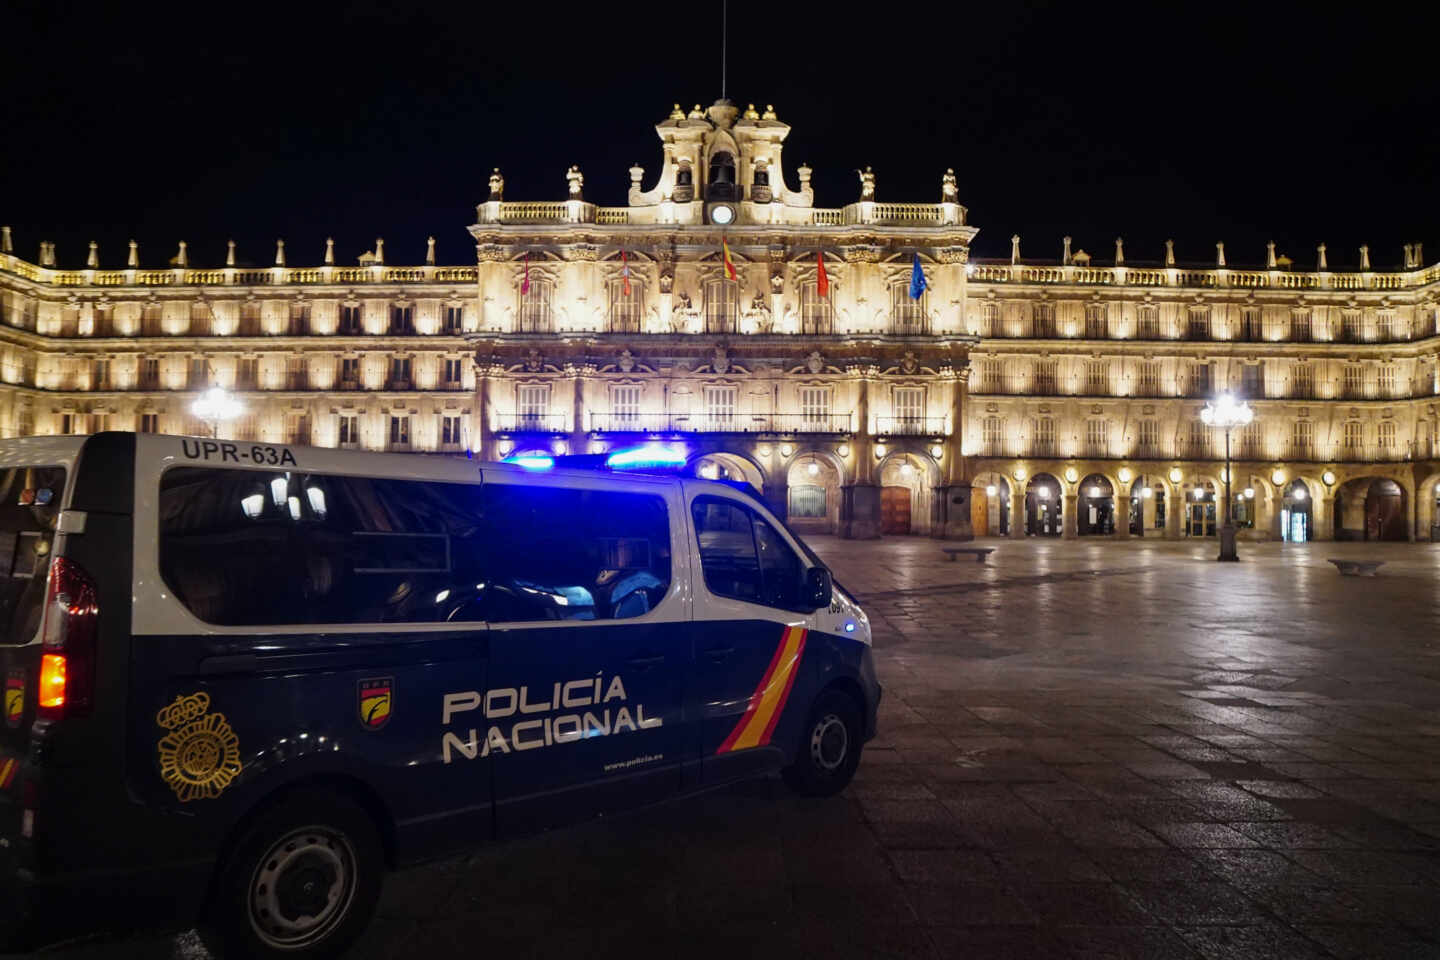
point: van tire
(325, 854)
(828, 752)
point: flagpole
(724, 43)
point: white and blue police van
(243, 680)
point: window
(329, 549)
(1385, 326)
(1302, 437)
(249, 319)
(743, 557)
(299, 319)
(909, 407)
(450, 430)
(1149, 378)
(150, 373)
(625, 402)
(815, 408)
(720, 407)
(295, 374)
(1252, 380)
(399, 373)
(991, 378)
(1043, 323)
(350, 372)
(1149, 438)
(454, 320)
(149, 423)
(199, 373)
(1200, 380)
(1097, 437)
(817, 313)
(1044, 436)
(992, 436)
(27, 532)
(99, 422)
(1386, 436)
(1354, 380)
(1350, 330)
(351, 318)
(990, 325)
(1097, 377)
(1249, 323)
(535, 307)
(1149, 322)
(1388, 381)
(807, 502)
(1303, 384)
(1045, 378)
(722, 306)
(349, 429)
(627, 310)
(908, 317)
(100, 375)
(297, 428)
(1250, 439)
(1199, 327)
(452, 372)
(400, 431)
(1300, 329)
(1354, 436)
(532, 406)
(1097, 321)
(402, 319)
(247, 373)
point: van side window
(743, 556)
(251, 548)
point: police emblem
(200, 755)
(375, 697)
(14, 696)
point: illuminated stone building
(1013, 397)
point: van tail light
(68, 633)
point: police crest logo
(375, 697)
(14, 697)
(200, 756)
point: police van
(244, 680)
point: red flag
(625, 271)
(525, 284)
(729, 264)
(822, 279)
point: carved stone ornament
(777, 283)
(720, 360)
(489, 253)
(533, 361)
(909, 363)
(667, 282)
(815, 362)
(626, 362)
(684, 300)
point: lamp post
(214, 406)
(1226, 414)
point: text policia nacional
(607, 714)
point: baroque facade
(1016, 397)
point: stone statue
(1015, 249)
(949, 191)
(497, 186)
(576, 179)
(867, 184)
(720, 360)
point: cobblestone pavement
(1086, 750)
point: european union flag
(917, 279)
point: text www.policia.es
(634, 763)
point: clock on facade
(722, 213)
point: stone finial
(1321, 263)
(7, 245)
(430, 251)
(379, 250)
(92, 259)
(47, 253)
(279, 253)
(751, 113)
(229, 253)
(1169, 253)
(676, 113)
(576, 182)
(329, 251)
(1119, 251)
(497, 186)
(1014, 249)
(133, 260)
(1419, 254)
(637, 173)
(1364, 256)
(1409, 256)
(804, 174)
(695, 113)
(949, 190)
(1220, 254)
(1270, 255)
(182, 258)
(1065, 256)
(769, 113)
(867, 184)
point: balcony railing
(531, 423)
(793, 423)
(811, 423)
(911, 426)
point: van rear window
(250, 548)
(29, 505)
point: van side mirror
(816, 590)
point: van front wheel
(829, 749)
(301, 882)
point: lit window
(720, 407)
(627, 310)
(535, 315)
(908, 317)
(400, 431)
(817, 313)
(722, 306)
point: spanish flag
(625, 271)
(729, 264)
(525, 284)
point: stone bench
(1357, 568)
(981, 553)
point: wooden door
(895, 510)
(980, 512)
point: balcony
(811, 423)
(788, 423)
(911, 426)
(531, 423)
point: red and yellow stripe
(8, 766)
(768, 700)
(729, 264)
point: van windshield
(29, 505)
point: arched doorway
(730, 467)
(1147, 507)
(990, 506)
(1200, 513)
(1044, 507)
(1371, 508)
(1097, 507)
(899, 496)
(1295, 513)
(813, 490)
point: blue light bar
(648, 457)
(531, 460)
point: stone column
(860, 506)
(953, 499)
(1147, 515)
(1017, 514)
(1122, 517)
(1174, 506)
(1276, 503)
(1071, 528)
(483, 442)
(577, 412)
(1322, 519)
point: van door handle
(645, 663)
(719, 653)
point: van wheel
(301, 882)
(829, 748)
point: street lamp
(214, 406)
(1226, 414)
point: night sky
(1197, 122)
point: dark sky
(1200, 122)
